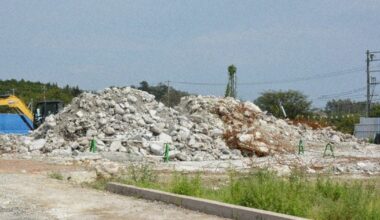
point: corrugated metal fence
(367, 128)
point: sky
(317, 47)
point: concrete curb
(196, 204)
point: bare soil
(27, 193)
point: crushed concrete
(129, 125)
(131, 121)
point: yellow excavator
(13, 102)
(25, 119)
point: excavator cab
(46, 108)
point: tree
(144, 86)
(231, 85)
(160, 92)
(345, 123)
(32, 92)
(294, 102)
(375, 110)
(344, 106)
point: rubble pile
(247, 128)
(131, 121)
(199, 128)
(15, 143)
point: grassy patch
(100, 183)
(186, 185)
(141, 175)
(55, 175)
(320, 198)
(300, 196)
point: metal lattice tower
(231, 90)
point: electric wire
(341, 94)
(297, 79)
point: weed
(100, 183)
(55, 175)
(141, 175)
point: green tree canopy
(294, 102)
(232, 70)
(34, 91)
(160, 91)
(375, 110)
(231, 85)
(344, 106)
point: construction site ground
(26, 192)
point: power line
(362, 96)
(340, 94)
(198, 83)
(315, 77)
(298, 79)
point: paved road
(32, 195)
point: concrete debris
(200, 128)
(131, 121)
(37, 144)
(156, 149)
(107, 169)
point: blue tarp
(15, 124)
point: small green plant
(55, 175)
(371, 140)
(141, 174)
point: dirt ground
(27, 193)
(32, 167)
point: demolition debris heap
(199, 128)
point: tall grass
(321, 198)
(186, 185)
(297, 195)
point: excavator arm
(16, 103)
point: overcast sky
(96, 44)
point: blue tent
(15, 124)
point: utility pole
(45, 107)
(44, 90)
(368, 107)
(370, 58)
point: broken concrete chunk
(119, 110)
(165, 138)
(132, 98)
(156, 149)
(79, 114)
(246, 138)
(115, 146)
(109, 131)
(37, 144)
